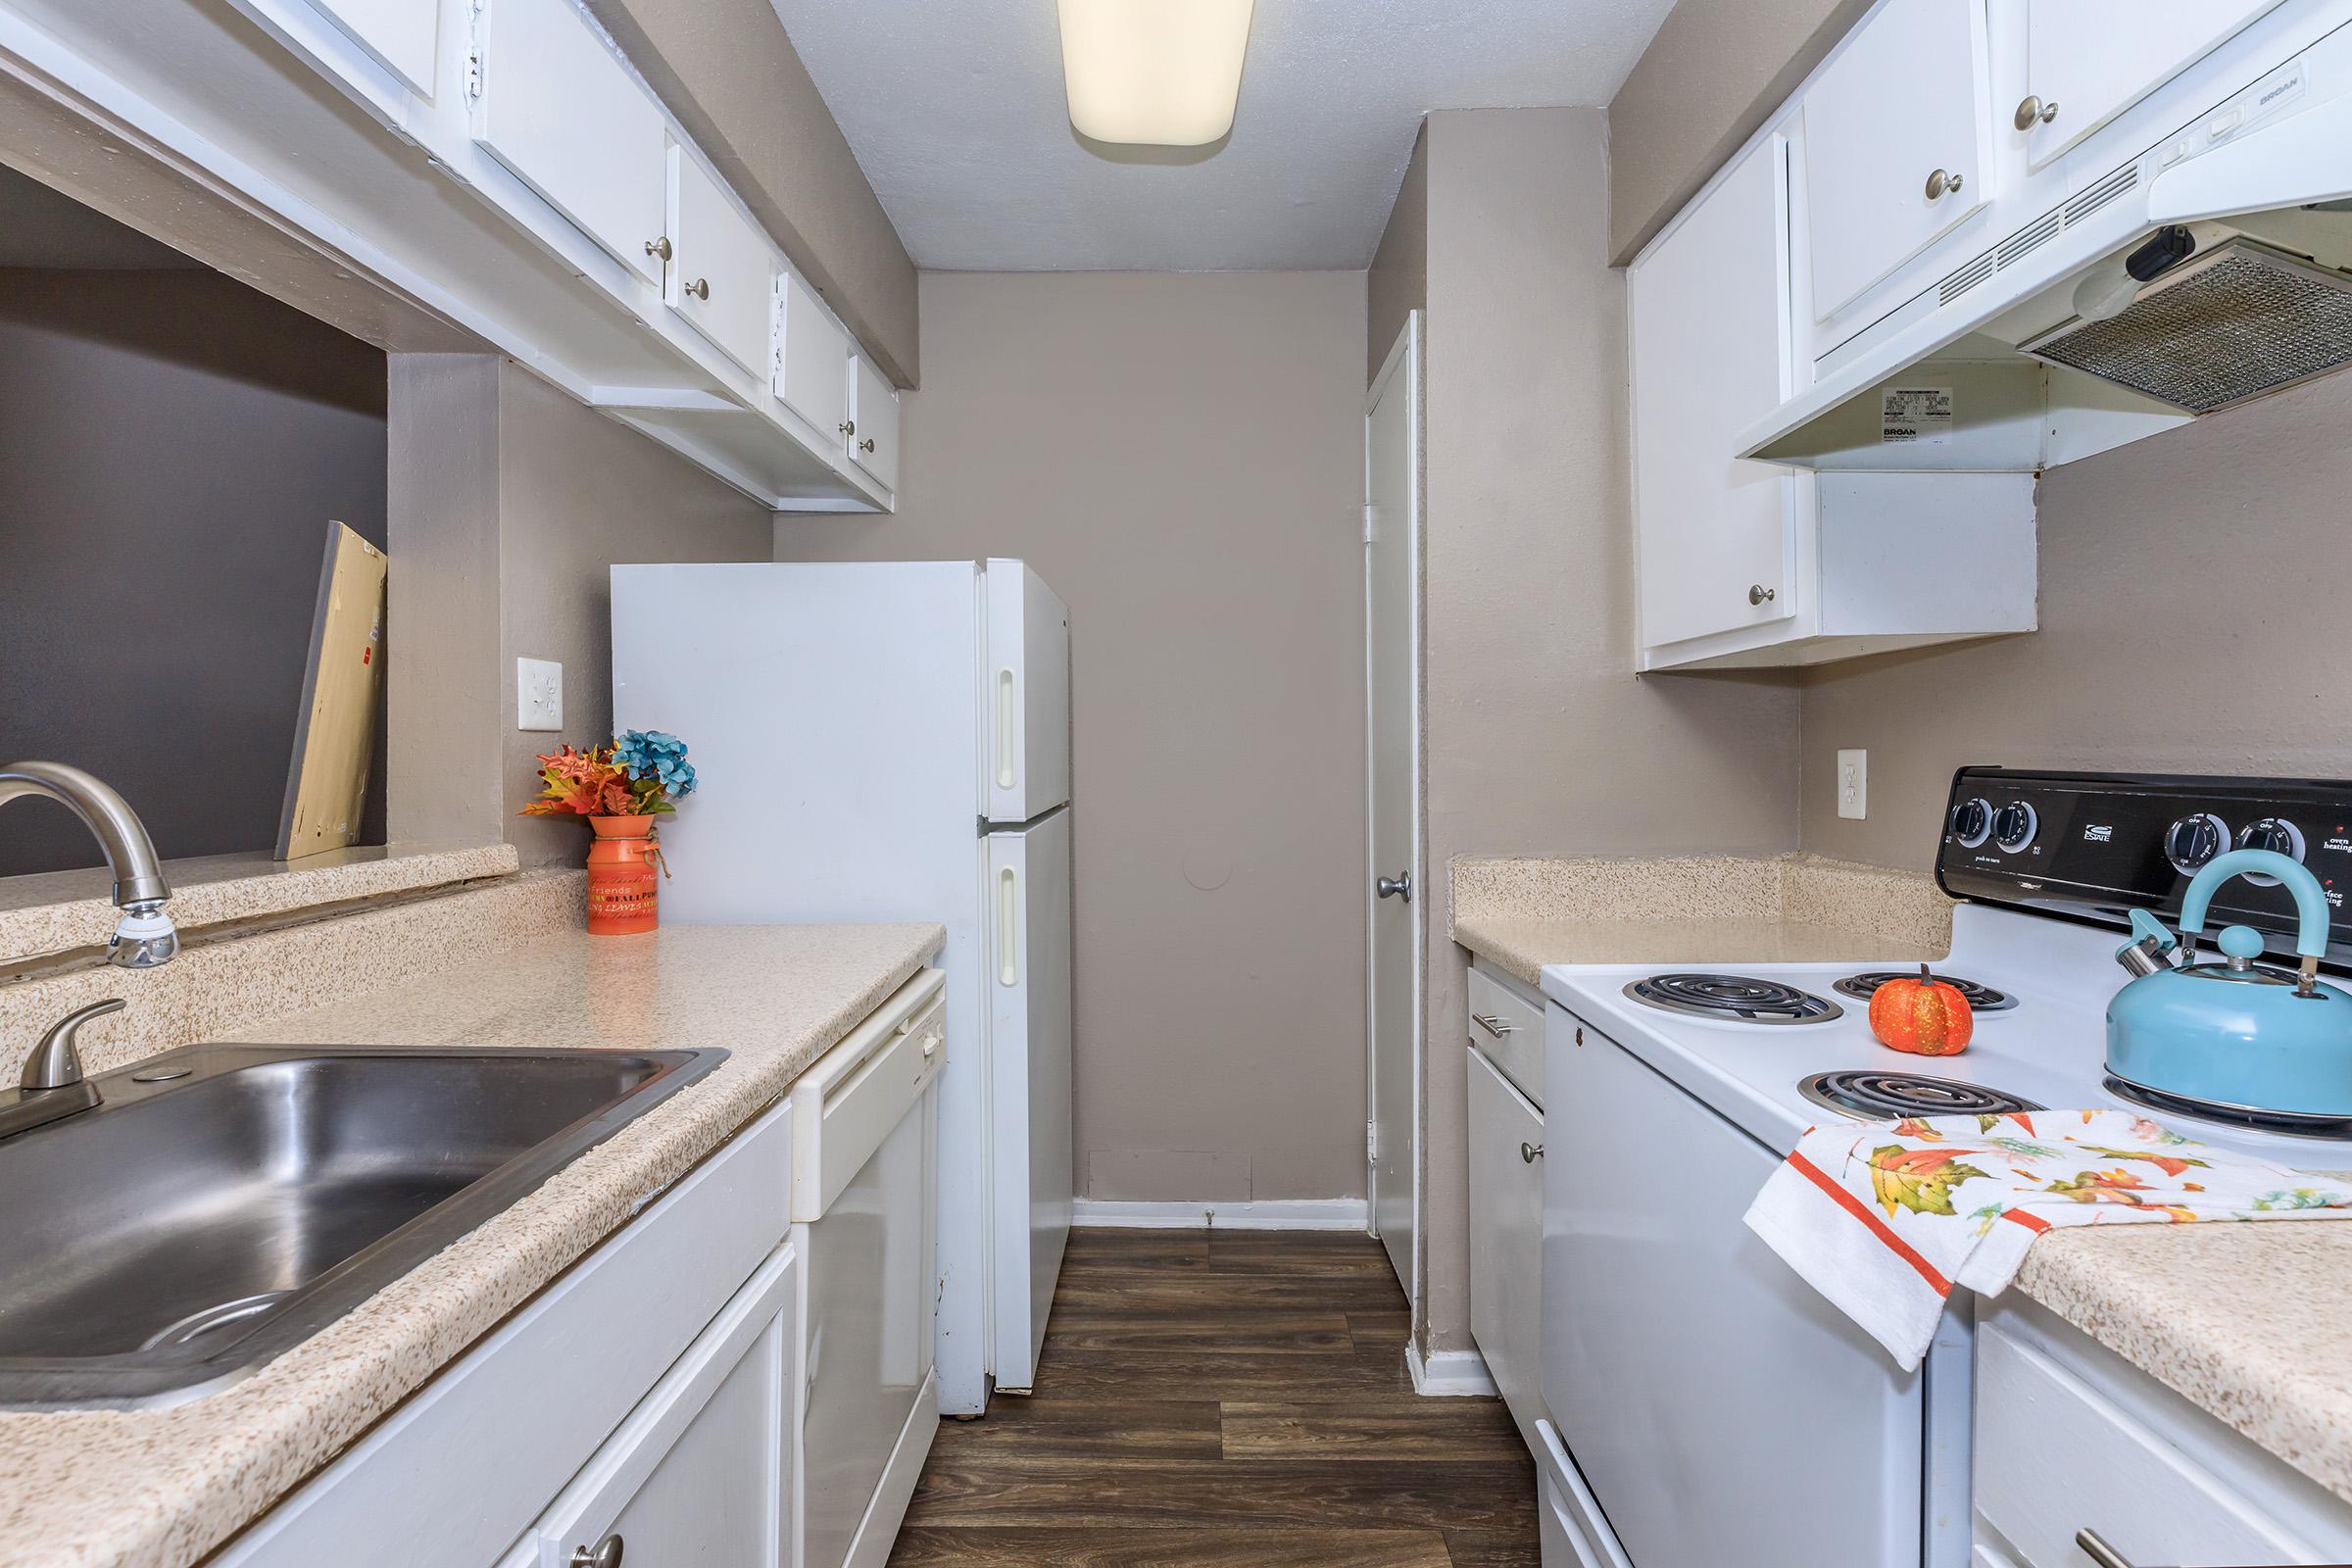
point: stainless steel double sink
(222, 1202)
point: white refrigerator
(891, 741)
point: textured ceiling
(955, 109)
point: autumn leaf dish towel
(1884, 1218)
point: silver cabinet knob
(1941, 182)
(2095, 1548)
(1395, 887)
(867, 445)
(1491, 1023)
(699, 288)
(606, 1554)
(1529, 1154)
(659, 246)
(2033, 111)
(1758, 594)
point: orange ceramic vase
(622, 877)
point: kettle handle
(2311, 902)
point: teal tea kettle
(2232, 1033)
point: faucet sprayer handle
(54, 1064)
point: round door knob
(1941, 182)
(699, 288)
(2033, 111)
(659, 246)
(1395, 887)
(606, 1554)
(1529, 1154)
(1758, 594)
(867, 445)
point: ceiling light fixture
(1166, 73)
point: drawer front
(1506, 1240)
(1509, 1029)
(851, 1102)
(2055, 1455)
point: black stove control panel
(2096, 846)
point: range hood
(2213, 268)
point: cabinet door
(402, 35)
(560, 110)
(1708, 305)
(873, 422)
(702, 1470)
(2088, 61)
(812, 363)
(722, 275)
(1506, 1240)
(1894, 144)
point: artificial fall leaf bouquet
(640, 772)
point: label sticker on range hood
(1916, 416)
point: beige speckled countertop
(160, 1489)
(1525, 913)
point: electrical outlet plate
(1853, 784)
(538, 694)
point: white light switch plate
(538, 694)
(1853, 784)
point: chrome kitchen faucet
(146, 936)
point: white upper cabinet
(1895, 137)
(811, 364)
(722, 274)
(401, 35)
(2088, 61)
(1708, 309)
(873, 422)
(557, 108)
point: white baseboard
(1448, 1374)
(1272, 1214)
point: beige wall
(2190, 622)
(1398, 283)
(1541, 738)
(1182, 458)
(1716, 69)
(727, 69)
(508, 502)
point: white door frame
(1403, 359)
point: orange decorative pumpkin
(1926, 1016)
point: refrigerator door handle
(1008, 969)
(1006, 740)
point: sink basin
(222, 1202)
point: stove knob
(2012, 826)
(2278, 835)
(2194, 839)
(1972, 822)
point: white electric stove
(1712, 1408)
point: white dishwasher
(866, 1127)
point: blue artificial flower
(657, 755)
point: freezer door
(1029, 1041)
(1025, 696)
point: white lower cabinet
(1506, 1240)
(702, 1471)
(2074, 1445)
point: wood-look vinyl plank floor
(1226, 1399)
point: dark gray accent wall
(172, 447)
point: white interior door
(1393, 713)
(1035, 1170)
